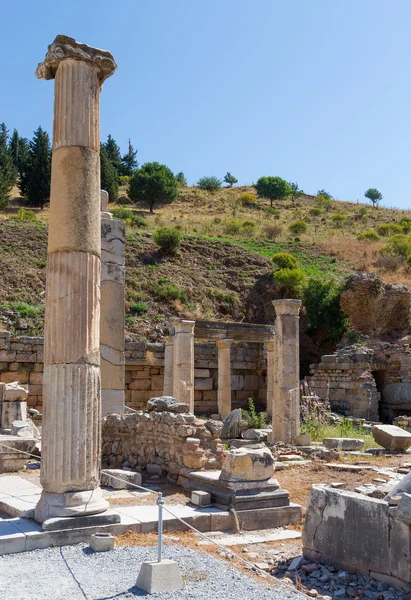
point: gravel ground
(76, 573)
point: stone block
(118, 479)
(343, 443)
(248, 464)
(140, 384)
(304, 439)
(391, 437)
(203, 384)
(204, 373)
(102, 542)
(237, 382)
(156, 577)
(12, 411)
(200, 498)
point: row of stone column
(283, 371)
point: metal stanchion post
(160, 502)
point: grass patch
(25, 310)
(167, 291)
(347, 430)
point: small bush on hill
(167, 239)
(315, 212)
(291, 282)
(322, 302)
(283, 260)
(323, 202)
(25, 310)
(227, 297)
(324, 194)
(139, 222)
(249, 228)
(339, 220)
(370, 236)
(209, 183)
(272, 232)
(232, 226)
(405, 223)
(122, 213)
(167, 291)
(388, 229)
(249, 201)
(272, 212)
(390, 262)
(139, 308)
(398, 245)
(25, 215)
(298, 227)
(181, 180)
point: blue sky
(315, 91)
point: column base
(70, 504)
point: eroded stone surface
(391, 437)
(248, 464)
(15, 391)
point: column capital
(65, 47)
(287, 307)
(184, 327)
(224, 344)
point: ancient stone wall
(177, 443)
(21, 359)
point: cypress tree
(8, 172)
(38, 169)
(129, 161)
(113, 153)
(108, 174)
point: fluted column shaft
(71, 439)
(224, 378)
(183, 359)
(286, 409)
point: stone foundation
(177, 443)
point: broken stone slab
(404, 509)
(15, 391)
(22, 429)
(248, 464)
(260, 435)
(232, 425)
(343, 443)
(167, 404)
(214, 427)
(119, 479)
(391, 437)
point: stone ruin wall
(21, 359)
(178, 443)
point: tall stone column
(71, 440)
(224, 378)
(168, 366)
(183, 372)
(286, 409)
(113, 239)
(270, 352)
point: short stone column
(224, 377)
(168, 366)
(286, 409)
(270, 353)
(71, 436)
(113, 238)
(183, 372)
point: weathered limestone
(183, 371)
(248, 464)
(113, 237)
(391, 437)
(224, 377)
(72, 401)
(168, 366)
(344, 443)
(270, 352)
(286, 410)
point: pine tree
(129, 161)
(8, 172)
(113, 153)
(108, 174)
(14, 147)
(38, 169)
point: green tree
(229, 179)
(181, 180)
(273, 188)
(322, 302)
(38, 169)
(113, 153)
(129, 161)
(209, 183)
(108, 174)
(153, 183)
(8, 172)
(295, 191)
(324, 194)
(374, 196)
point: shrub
(315, 212)
(232, 226)
(405, 224)
(283, 260)
(363, 211)
(254, 419)
(339, 220)
(291, 282)
(324, 194)
(209, 183)
(298, 227)
(153, 183)
(323, 202)
(371, 236)
(322, 302)
(167, 291)
(249, 201)
(139, 307)
(389, 262)
(124, 179)
(272, 232)
(272, 212)
(181, 180)
(25, 215)
(313, 413)
(122, 213)
(139, 222)
(167, 239)
(227, 297)
(398, 245)
(388, 229)
(249, 227)
(25, 310)
(216, 220)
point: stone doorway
(380, 378)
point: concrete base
(102, 542)
(161, 576)
(70, 504)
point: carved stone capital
(66, 47)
